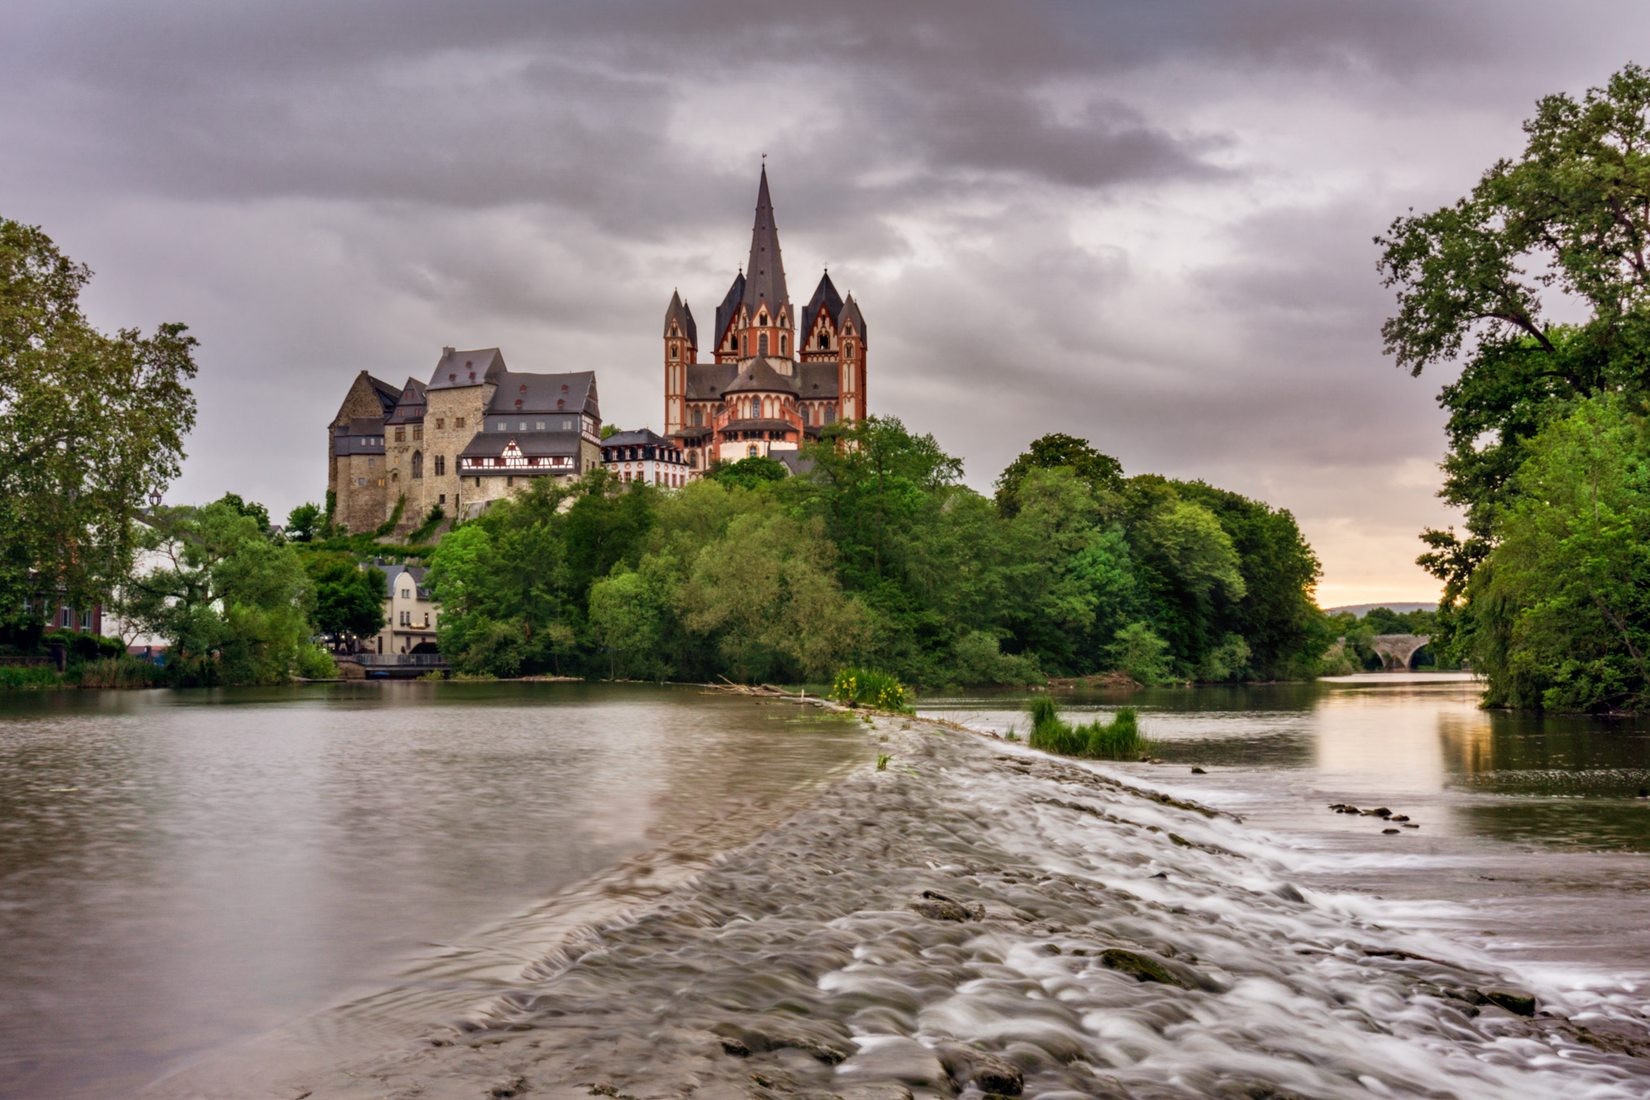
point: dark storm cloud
(1143, 223)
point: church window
(674, 353)
(824, 340)
(745, 344)
(762, 344)
(762, 318)
(848, 349)
(418, 464)
(784, 344)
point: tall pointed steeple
(765, 274)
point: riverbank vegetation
(1547, 589)
(1118, 739)
(880, 557)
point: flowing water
(349, 874)
(179, 870)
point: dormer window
(824, 340)
(523, 387)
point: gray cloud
(1148, 224)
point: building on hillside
(410, 611)
(777, 376)
(645, 456)
(473, 433)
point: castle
(777, 378)
(477, 430)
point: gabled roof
(640, 437)
(760, 376)
(410, 408)
(572, 392)
(387, 393)
(850, 312)
(825, 298)
(709, 381)
(537, 444)
(392, 572)
(729, 306)
(765, 273)
(679, 312)
(466, 368)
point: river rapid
(972, 918)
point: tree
(233, 605)
(626, 617)
(1138, 651)
(1562, 230)
(90, 425)
(1102, 472)
(749, 472)
(349, 600)
(304, 523)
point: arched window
(824, 340)
(784, 344)
(418, 464)
(693, 459)
(762, 344)
(745, 344)
(753, 450)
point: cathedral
(777, 377)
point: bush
(862, 687)
(86, 647)
(1117, 740)
(315, 663)
(978, 659)
(29, 677)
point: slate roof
(759, 375)
(850, 312)
(683, 316)
(755, 425)
(572, 392)
(392, 572)
(465, 368)
(361, 435)
(531, 444)
(387, 393)
(729, 306)
(825, 298)
(765, 273)
(709, 381)
(410, 408)
(817, 381)
(793, 461)
(641, 437)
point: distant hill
(1362, 609)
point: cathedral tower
(681, 349)
(765, 319)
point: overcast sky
(1148, 224)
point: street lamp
(155, 496)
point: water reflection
(178, 869)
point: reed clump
(1118, 739)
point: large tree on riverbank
(1563, 230)
(90, 424)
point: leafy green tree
(249, 508)
(1560, 608)
(749, 472)
(305, 522)
(349, 600)
(1138, 651)
(90, 425)
(1101, 472)
(233, 605)
(627, 620)
(1560, 230)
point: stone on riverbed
(1515, 1001)
(990, 1074)
(936, 906)
(1146, 967)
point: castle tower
(681, 348)
(765, 320)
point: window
(400, 435)
(443, 499)
(418, 464)
(753, 450)
(762, 344)
(824, 340)
(440, 466)
(418, 432)
(521, 426)
(441, 423)
(745, 344)
(406, 593)
(784, 344)
(538, 425)
(372, 462)
(458, 422)
(499, 427)
(675, 353)
(85, 620)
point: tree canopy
(90, 425)
(1537, 283)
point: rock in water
(1515, 1001)
(936, 906)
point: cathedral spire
(765, 273)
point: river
(185, 875)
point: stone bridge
(1398, 650)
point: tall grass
(117, 672)
(1118, 739)
(29, 677)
